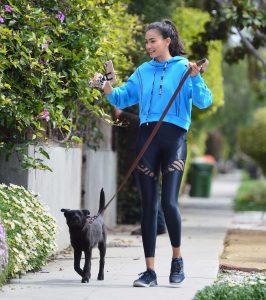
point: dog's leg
(102, 249)
(87, 266)
(77, 258)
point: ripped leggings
(166, 153)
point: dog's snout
(75, 218)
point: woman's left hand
(196, 69)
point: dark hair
(168, 29)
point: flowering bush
(3, 252)
(236, 286)
(30, 229)
(49, 50)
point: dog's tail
(102, 202)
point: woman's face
(156, 46)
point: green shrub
(49, 50)
(251, 195)
(3, 254)
(252, 139)
(223, 291)
(235, 285)
(190, 24)
(30, 229)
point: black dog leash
(147, 143)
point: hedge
(48, 51)
(30, 229)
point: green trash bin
(200, 179)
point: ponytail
(168, 29)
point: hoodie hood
(156, 63)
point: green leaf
(44, 153)
(76, 139)
(8, 86)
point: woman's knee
(169, 206)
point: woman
(151, 86)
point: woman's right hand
(99, 82)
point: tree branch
(251, 49)
(260, 35)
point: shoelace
(143, 274)
(176, 267)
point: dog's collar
(91, 219)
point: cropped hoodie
(152, 86)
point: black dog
(86, 233)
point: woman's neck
(163, 58)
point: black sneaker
(147, 279)
(177, 271)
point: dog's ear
(65, 211)
(86, 212)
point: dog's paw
(100, 277)
(85, 280)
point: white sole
(139, 284)
(175, 285)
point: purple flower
(45, 114)
(2, 20)
(3, 248)
(60, 16)
(44, 62)
(8, 8)
(45, 46)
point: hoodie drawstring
(161, 84)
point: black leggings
(167, 152)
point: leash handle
(155, 129)
(201, 62)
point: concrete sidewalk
(205, 222)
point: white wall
(60, 188)
(100, 172)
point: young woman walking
(152, 86)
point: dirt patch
(244, 250)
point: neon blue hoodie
(152, 86)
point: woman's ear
(168, 41)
